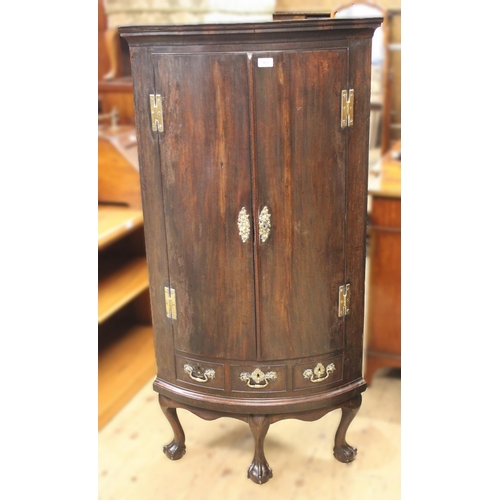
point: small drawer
(200, 373)
(317, 372)
(258, 378)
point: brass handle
(200, 375)
(318, 373)
(244, 225)
(264, 224)
(255, 379)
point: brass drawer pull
(200, 375)
(244, 225)
(255, 379)
(264, 224)
(318, 373)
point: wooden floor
(132, 465)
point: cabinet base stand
(259, 471)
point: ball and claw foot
(174, 451)
(342, 451)
(345, 453)
(260, 473)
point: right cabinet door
(301, 159)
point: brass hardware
(318, 373)
(156, 112)
(344, 300)
(258, 376)
(264, 224)
(200, 375)
(170, 305)
(347, 109)
(244, 225)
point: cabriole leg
(176, 449)
(259, 471)
(342, 451)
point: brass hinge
(170, 305)
(344, 299)
(347, 109)
(156, 112)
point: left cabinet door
(206, 176)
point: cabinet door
(301, 157)
(205, 162)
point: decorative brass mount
(170, 303)
(244, 225)
(156, 112)
(199, 374)
(344, 300)
(347, 109)
(257, 377)
(264, 224)
(319, 373)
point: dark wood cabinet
(253, 150)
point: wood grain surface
(300, 170)
(239, 134)
(205, 153)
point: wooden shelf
(125, 335)
(114, 222)
(120, 286)
(124, 367)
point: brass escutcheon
(257, 377)
(264, 224)
(244, 225)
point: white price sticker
(265, 62)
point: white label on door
(265, 62)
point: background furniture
(126, 355)
(253, 152)
(383, 347)
(114, 77)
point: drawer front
(258, 379)
(200, 373)
(317, 373)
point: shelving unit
(123, 275)
(114, 221)
(126, 352)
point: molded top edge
(247, 28)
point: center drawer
(258, 379)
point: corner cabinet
(253, 151)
